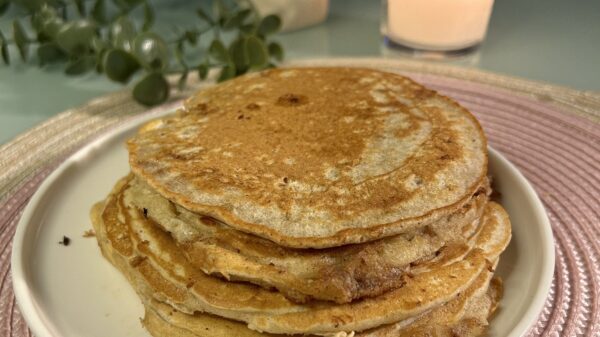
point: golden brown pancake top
(315, 157)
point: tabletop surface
(553, 41)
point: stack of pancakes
(310, 201)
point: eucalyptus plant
(101, 36)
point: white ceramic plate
(72, 291)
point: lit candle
(438, 24)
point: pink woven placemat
(551, 134)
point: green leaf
(81, 65)
(148, 17)
(119, 65)
(249, 28)
(220, 11)
(80, 5)
(269, 24)
(203, 71)
(4, 49)
(123, 33)
(4, 4)
(32, 5)
(276, 51)
(41, 38)
(227, 72)
(100, 60)
(181, 84)
(179, 55)
(98, 12)
(126, 6)
(44, 14)
(218, 52)
(151, 50)
(49, 52)
(46, 22)
(21, 39)
(258, 54)
(151, 90)
(75, 37)
(63, 12)
(239, 54)
(98, 45)
(5, 55)
(191, 37)
(237, 19)
(204, 16)
(52, 27)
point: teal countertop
(554, 41)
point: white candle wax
(294, 14)
(438, 24)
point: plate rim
(28, 305)
(23, 296)
(548, 253)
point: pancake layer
(315, 157)
(339, 274)
(159, 271)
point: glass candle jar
(447, 26)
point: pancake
(492, 239)
(316, 157)
(338, 202)
(157, 270)
(157, 267)
(339, 274)
(162, 320)
(466, 315)
(165, 273)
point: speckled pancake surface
(155, 267)
(339, 274)
(466, 316)
(315, 157)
